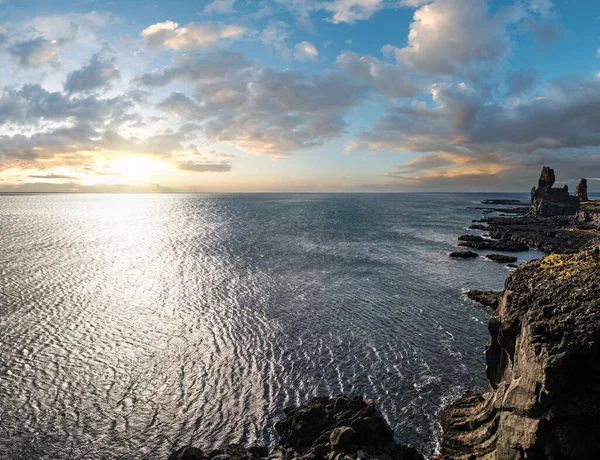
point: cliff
(542, 365)
(547, 201)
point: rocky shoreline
(542, 360)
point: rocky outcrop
(501, 258)
(547, 201)
(486, 298)
(501, 244)
(331, 428)
(589, 212)
(340, 428)
(464, 255)
(553, 235)
(581, 190)
(542, 365)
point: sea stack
(547, 201)
(581, 190)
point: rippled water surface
(133, 323)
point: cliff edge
(542, 364)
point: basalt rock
(486, 298)
(553, 235)
(547, 201)
(581, 190)
(495, 245)
(324, 427)
(464, 255)
(501, 258)
(542, 365)
(332, 428)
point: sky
(298, 95)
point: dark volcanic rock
(233, 452)
(464, 254)
(547, 178)
(581, 190)
(470, 238)
(316, 428)
(547, 201)
(478, 227)
(542, 364)
(335, 428)
(506, 202)
(501, 258)
(495, 245)
(486, 298)
(555, 234)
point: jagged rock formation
(501, 258)
(486, 298)
(547, 201)
(336, 428)
(542, 364)
(560, 234)
(589, 212)
(581, 190)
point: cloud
(306, 51)
(275, 36)
(204, 166)
(52, 176)
(545, 32)
(468, 131)
(455, 37)
(3, 35)
(268, 111)
(168, 35)
(99, 73)
(192, 159)
(213, 66)
(79, 27)
(350, 11)
(35, 53)
(388, 79)
(219, 7)
(521, 81)
(543, 7)
(343, 11)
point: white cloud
(219, 7)
(452, 36)
(169, 35)
(350, 11)
(306, 51)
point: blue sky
(297, 95)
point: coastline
(527, 412)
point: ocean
(130, 324)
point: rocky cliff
(547, 201)
(542, 364)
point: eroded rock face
(340, 427)
(547, 201)
(332, 428)
(542, 363)
(581, 190)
